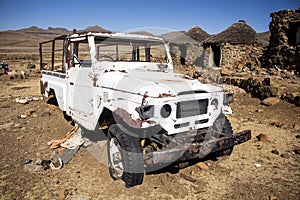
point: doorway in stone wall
(293, 33)
(216, 53)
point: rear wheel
(125, 158)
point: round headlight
(166, 111)
(215, 103)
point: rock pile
(264, 85)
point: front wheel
(125, 158)
(223, 126)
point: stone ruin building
(239, 46)
(187, 47)
(234, 48)
(283, 51)
(263, 64)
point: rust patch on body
(169, 80)
(164, 95)
(126, 117)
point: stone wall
(239, 56)
(283, 51)
(235, 56)
(263, 87)
(188, 53)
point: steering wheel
(105, 57)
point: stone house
(234, 48)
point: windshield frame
(140, 49)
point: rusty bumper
(197, 150)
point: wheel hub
(115, 157)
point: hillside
(23, 45)
(20, 47)
(31, 37)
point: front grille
(191, 108)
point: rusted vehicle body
(125, 83)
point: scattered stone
(298, 136)
(262, 137)
(277, 124)
(270, 101)
(13, 74)
(23, 74)
(292, 97)
(62, 194)
(285, 155)
(30, 66)
(25, 162)
(202, 165)
(29, 112)
(21, 101)
(35, 98)
(46, 113)
(27, 99)
(257, 165)
(32, 167)
(275, 152)
(34, 115)
(188, 178)
(296, 151)
(22, 116)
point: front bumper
(197, 150)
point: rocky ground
(266, 167)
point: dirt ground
(255, 170)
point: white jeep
(125, 83)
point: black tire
(125, 158)
(222, 125)
(67, 117)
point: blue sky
(213, 16)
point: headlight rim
(165, 111)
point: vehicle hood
(153, 83)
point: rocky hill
(193, 35)
(30, 37)
(95, 28)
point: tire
(67, 117)
(222, 125)
(125, 158)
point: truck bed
(56, 82)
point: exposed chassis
(196, 150)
